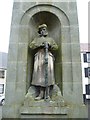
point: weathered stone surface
(44, 110)
(61, 18)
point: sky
(6, 15)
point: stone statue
(43, 73)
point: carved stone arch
(30, 21)
(58, 13)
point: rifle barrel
(46, 69)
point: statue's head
(42, 30)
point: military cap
(41, 26)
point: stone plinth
(43, 108)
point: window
(86, 57)
(88, 89)
(2, 74)
(87, 72)
(1, 88)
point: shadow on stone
(56, 97)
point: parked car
(2, 99)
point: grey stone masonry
(62, 21)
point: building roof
(3, 60)
(85, 47)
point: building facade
(3, 70)
(85, 59)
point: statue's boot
(41, 95)
(47, 95)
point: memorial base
(44, 109)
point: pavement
(0, 112)
(88, 106)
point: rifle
(46, 70)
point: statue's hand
(46, 44)
(49, 45)
(42, 44)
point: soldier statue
(43, 72)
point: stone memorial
(44, 66)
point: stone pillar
(62, 21)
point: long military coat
(38, 78)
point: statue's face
(43, 31)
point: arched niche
(54, 31)
(48, 18)
(58, 28)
